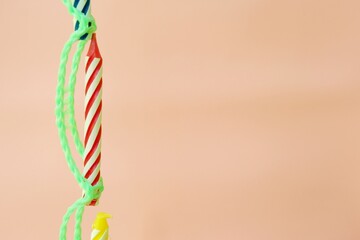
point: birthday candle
(100, 227)
(93, 105)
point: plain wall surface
(222, 119)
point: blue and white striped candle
(84, 7)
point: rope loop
(87, 26)
(92, 192)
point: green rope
(65, 118)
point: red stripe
(88, 63)
(93, 97)
(96, 180)
(93, 167)
(92, 123)
(94, 146)
(93, 48)
(93, 76)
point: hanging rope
(65, 116)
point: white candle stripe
(91, 68)
(81, 5)
(92, 136)
(93, 175)
(93, 158)
(94, 233)
(92, 112)
(105, 236)
(92, 87)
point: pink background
(223, 119)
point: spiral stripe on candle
(82, 5)
(96, 235)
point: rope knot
(92, 193)
(85, 26)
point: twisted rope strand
(72, 82)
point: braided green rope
(65, 118)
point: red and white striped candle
(93, 105)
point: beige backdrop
(223, 119)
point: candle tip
(93, 48)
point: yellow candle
(100, 227)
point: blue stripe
(76, 3)
(77, 24)
(86, 7)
